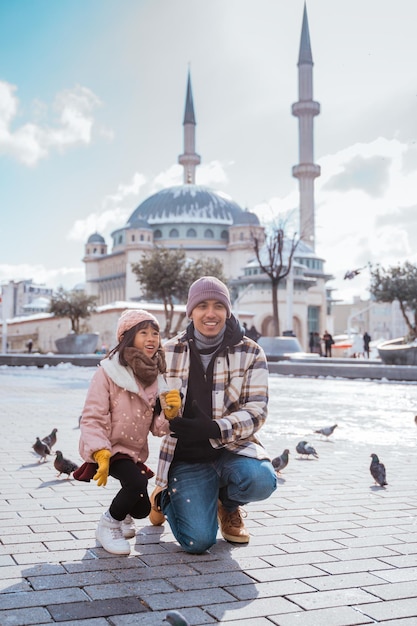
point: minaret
(190, 159)
(305, 109)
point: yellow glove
(102, 457)
(171, 403)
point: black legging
(133, 497)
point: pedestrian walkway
(327, 549)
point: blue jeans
(191, 498)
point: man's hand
(102, 457)
(200, 427)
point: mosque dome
(190, 203)
(95, 238)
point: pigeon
(326, 430)
(64, 466)
(352, 273)
(42, 449)
(305, 448)
(50, 439)
(176, 619)
(415, 420)
(280, 462)
(377, 470)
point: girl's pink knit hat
(130, 318)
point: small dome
(95, 238)
(190, 203)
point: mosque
(208, 224)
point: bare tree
(275, 256)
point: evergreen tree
(75, 305)
(398, 283)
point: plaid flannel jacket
(239, 397)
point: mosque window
(141, 237)
(224, 235)
(208, 233)
(174, 233)
(133, 237)
(120, 239)
(241, 236)
(191, 232)
(157, 234)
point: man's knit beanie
(208, 288)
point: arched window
(120, 239)
(208, 233)
(191, 232)
(141, 237)
(173, 233)
(133, 238)
(224, 235)
(157, 234)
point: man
(212, 463)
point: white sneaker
(109, 535)
(128, 527)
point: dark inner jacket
(200, 387)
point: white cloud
(66, 277)
(31, 141)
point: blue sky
(92, 98)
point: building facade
(207, 223)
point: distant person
(366, 342)
(311, 342)
(317, 344)
(29, 345)
(328, 342)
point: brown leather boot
(156, 517)
(231, 525)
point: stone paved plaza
(329, 548)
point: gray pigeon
(42, 449)
(50, 439)
(377, 470)
(176, 619)
(305, 449)
(62, 465)
(280, 462)
(326, 430)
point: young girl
(118, 414)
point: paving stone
(96, 608)
(390, 609)
(24, 617)
(325, 599)
(341, 616)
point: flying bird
(62, 465)
(50, 439)
(280, 462)
(42, 449)
(377, 470)
(176, 619)
(352, 273)
(326, 430)
(415, 420)
(305, 449)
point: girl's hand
(171, 403)
(102, 457)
